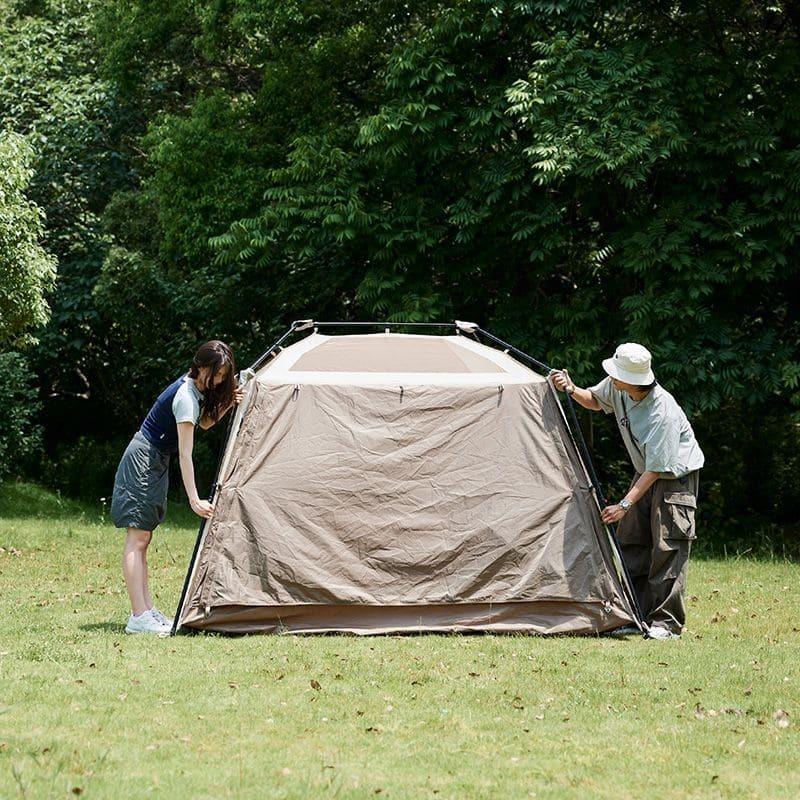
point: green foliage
(50, 93)
(83, 468)
(597, 108)
(20, 433)
(569, 174)
(27, 272)
(573, 181)
(593, 183)
(228, 90)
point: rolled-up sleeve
(602, 392)
(662, 446)
(185, 406)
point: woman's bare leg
(147, 599)
(134, 567)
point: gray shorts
(140, 486)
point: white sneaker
(147, 622)
(662, 634)
(166, 620)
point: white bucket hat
(630, 364)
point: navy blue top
(160, 426)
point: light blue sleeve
(602, 392)
(185, 406)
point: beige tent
(394, 482)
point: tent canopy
(392, 359)
(391, 482)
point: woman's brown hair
(216, 356)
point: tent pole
(297, 325)
(510, 347)
(203, 521)
(586, 458)
(384, 324)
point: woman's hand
(206, 422)
(612, 514)
(561, 380)
(202, 508)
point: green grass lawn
(86, 710)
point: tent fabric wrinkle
(445, 495)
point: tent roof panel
(404, 354)
(392, 358)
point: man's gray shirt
(656, 432)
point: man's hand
(564, 383)
(202, 508)
(561, 380)
(612, 514)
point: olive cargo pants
(655, 536)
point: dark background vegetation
(569, 174)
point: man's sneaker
(147, 622)
(657, 632)
(166, 620)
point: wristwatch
(625, 504)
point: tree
(572, 174)
(577, 175)
(27, 273)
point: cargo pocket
(679, 508)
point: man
(656, 518)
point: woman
(202, 397)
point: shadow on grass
(23, 500)
(28, 500)
(105, 627)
